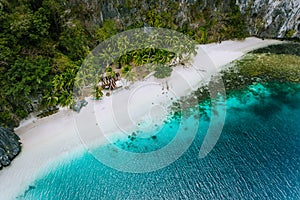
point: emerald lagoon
(256, 157)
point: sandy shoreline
(126, 110)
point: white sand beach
(48, 139)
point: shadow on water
(281, 96)
(265, 109)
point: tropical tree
(51, 100)
(98, 93)
(137, 57)
(107, 30)
(127, 73)
(162, 71)
(66, 99)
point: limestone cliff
(272, 18)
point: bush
(162, 71)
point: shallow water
(256, 157)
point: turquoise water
(256, 157)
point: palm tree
(69, 78)
(162, 71)
(106, 57)
(125, 59)
(66, 99)
(127, 73)
(122, 44)
(98, 92)
(137, 58)
(57, 82)
(51, 100)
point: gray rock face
(272, 18)
(10, 146)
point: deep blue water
(256, 157)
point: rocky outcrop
(10, 146)
(272, 18)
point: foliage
(98, 92)
(27, 79)
(162, 71)
(107, 30)
(127, 73)
(72, 41)
(126, 69)
(290, 33)
(40, 54)
(43, 44)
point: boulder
(79, 104)
(10, 146)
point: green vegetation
(135, 54)
(41, 50)
(107, 30)
(290, 33)
(203, 23)
(162, 71)
(43, 44)
(98, 92)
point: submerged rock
(10, 146)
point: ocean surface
(256, 157)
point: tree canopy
(44, 42)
